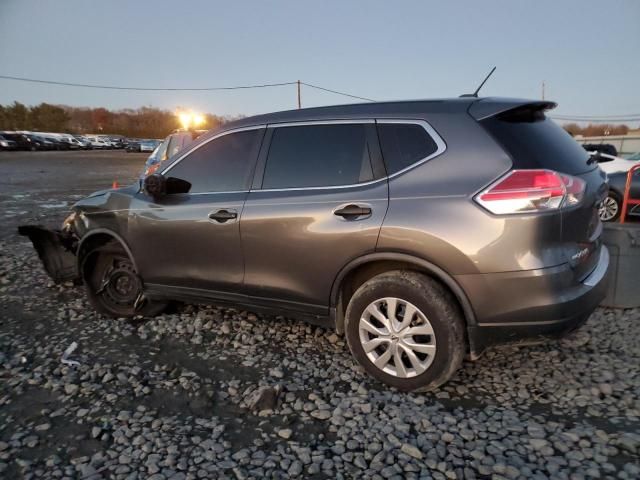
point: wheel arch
(616, 191)
(375, 263)
(101, 236)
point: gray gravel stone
(214, 392)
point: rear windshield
(535, 141)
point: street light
(190, 119)
(198, 119)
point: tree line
(145, 122)
(148, 122)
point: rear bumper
(531, 306)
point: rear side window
(318, 156)
(403, 145)
(221, 165)
(535, 141)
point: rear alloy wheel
(113, 285)
(397, 337)
(609, 209)
(406, 330)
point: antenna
(475, 94)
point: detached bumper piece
(56, 250)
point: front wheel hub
(121, 284)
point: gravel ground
(209, 392)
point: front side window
(318, 156)
(404, 144)
(221, 165)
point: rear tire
(426, 348)
(113, 285)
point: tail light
(523, 191)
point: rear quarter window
(403, 145)
(533, 140)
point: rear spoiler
(491, 107)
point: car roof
(482, 108)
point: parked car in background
(97, 142)
(113, 142)
(600, 147)
(611, 164)
(21, 140)
(6, 144)
(58, 143)
(119, 142)
(86, 144)
(611, 208)
(41, 143)
(28, 141)
(74, 144)
(107, 142)
(148, 145)
(170, 146)
(617, 169)
(53, 138)
(133, 146)
(425, 231)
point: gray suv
(422, 230)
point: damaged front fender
(56, 249)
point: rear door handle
(353, 211)
(222, 216)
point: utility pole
(543, 90)
(299, 101)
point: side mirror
(155, 185)
(177, 185)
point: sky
(586, 52)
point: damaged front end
(56, 248)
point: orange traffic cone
(114, 184)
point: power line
(337, 92)
(155, 89)
(632, 117)
(112, 87)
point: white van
(97, 142)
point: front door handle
(353, 211)
(222, 216)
